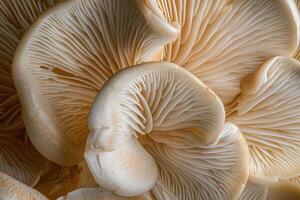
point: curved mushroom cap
(17, 157)
(11, 189)
(64, 60)
(260, 189)
(169, 112)
(15, 18)
(220, 43)
(20, 161)
(267, 112)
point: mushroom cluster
(149, 99)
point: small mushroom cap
(66, 57)
(222, 41)
(267, 112)
(180, 123)
(128, 106)
(12, 189)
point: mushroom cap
(12, 189)
(223, 41)
(267, 112)
(179, 121)
(264, 189)
(18, 158)
(66, 57)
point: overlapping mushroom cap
(221, 42)
(65, 59)
(169, 112)
(12, 189)
(17, 156)
(152, 127)
(263, 189)
(267, 113)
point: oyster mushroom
(151, 125)
(262, 189)
(17, 156)
(223, 41)
(267, 112)
(12, 189)
(66, 57)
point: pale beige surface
(267, 112)
(12, 189)
(17, 156)
(65, 59)
(220, 43)
(163, 109)
(262, 189)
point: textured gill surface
(171, 113)
(297, 54)
(20, 160)
(76, 50)
(17, 159)
(15, 18)
(260, 189)
(165, 101)
(200, 171)
(254, 191)
(11, 189)
(220, 43)
(268, 117)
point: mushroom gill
(17, 157)
(12, 189)
(263, 189)
(65, 59)
(267, 112)
(155, 124)
(221, 42)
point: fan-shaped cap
(20, 161)
(11, 189)
(15, 18)
(262, 189)
(64, 60)
(267, 112)
(18, 158)
(169, 112)
(221, 42)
